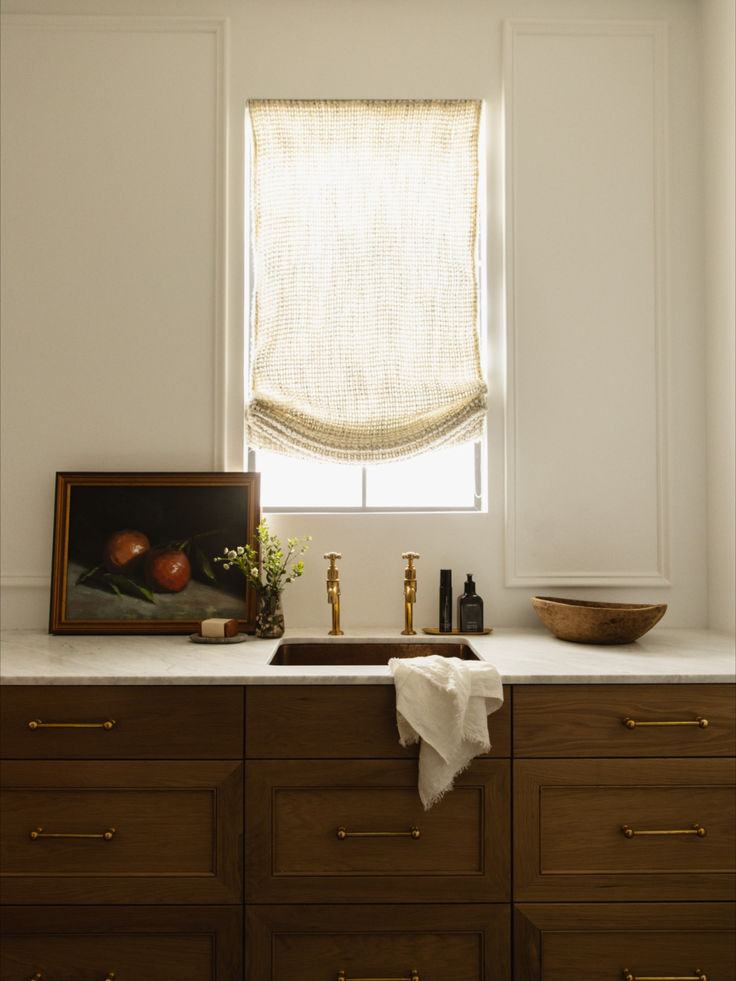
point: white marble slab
(665, 655)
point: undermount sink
(336, 652)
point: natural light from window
(442, 479)
(366, 272)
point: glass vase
(270, 616)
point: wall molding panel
(115, 134)
(586, 283)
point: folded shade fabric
(444, 703)
(364, 232)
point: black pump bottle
(445, 601)
(470, 609)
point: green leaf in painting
(122, 584)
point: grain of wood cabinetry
(163, 897)
(384, 903)
(605, 808)
(130, 796)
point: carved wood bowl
(592, 622)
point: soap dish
(236, 639)
(461, 633)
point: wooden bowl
(591, 622)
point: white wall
(720, 261)
(123, 288)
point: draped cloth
(365, 278)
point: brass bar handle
(40, 833)
(698, 976)
(38, 976)
(699, 721)
(697, 830)
(413, 832)
(413, 976)
(38, 724)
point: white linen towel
(444, 702)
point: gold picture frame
(133, 552)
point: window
(365, 352)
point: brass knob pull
(38, 724)
(413, 832)
(40, 833)
(697, 830)
(413, 976)
(698, 976)
(700, 722)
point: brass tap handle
(413, 832)
(38, 724)
(633, 724)
(410, 592)
(697, 830)
(40, 833)
(410, 556)
(333, 592)
(413, 976)
(698, 976)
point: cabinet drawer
(173, 832)
(590, 720)
(296, 852)
(164, 722)
(564, 941)
(440, 943)
(154, 944)
(338, 721)
(571, 819)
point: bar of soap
(218, 627)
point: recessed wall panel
(585, 131)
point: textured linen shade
(365, 296)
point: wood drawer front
(177, 832)
(588, 720)
(150, 722)
(293, 852)
(338, 722)
(442, 943)
(569, 842)
(153, 944)
(563, 941)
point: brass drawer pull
(696, 829)
(413, 832)
(109, 976)
(40, 833)
(38, 724)
(700, 722)
(698, 976)
(414, 976)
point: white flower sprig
(273, 571)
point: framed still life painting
(134, 552)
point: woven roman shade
(365, 295)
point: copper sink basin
(298, 653)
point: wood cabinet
(344, 869)
(437, 942)
(130, 799)
(142, 826)
(355, 831)
(123, 943)
(607, 941)
(624, 801)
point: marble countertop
(523, 656)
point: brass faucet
(410, 591)
(333, 592)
